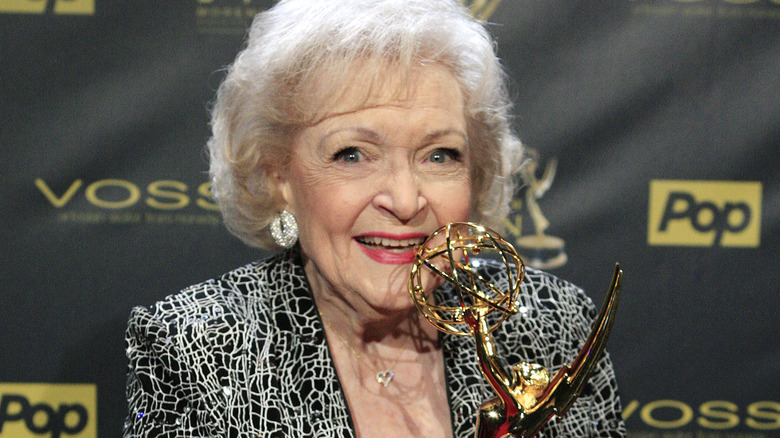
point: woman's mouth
(390, 250)
(390, 244)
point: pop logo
(704, 213)
(59, 7)
(51, 410)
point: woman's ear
(278, 179)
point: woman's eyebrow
(444, 133)
(365, 133)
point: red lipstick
(390, 255)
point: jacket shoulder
(234, 296)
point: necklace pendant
(384, 377)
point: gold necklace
(384, 375)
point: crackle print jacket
(245, 355)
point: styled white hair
(297, 45)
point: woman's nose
(401, 194)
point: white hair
(263, 100)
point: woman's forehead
(356, 86)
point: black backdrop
(663, 115)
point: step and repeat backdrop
(654, 131)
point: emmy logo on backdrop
(526, 398)
(539, 250)
(481, 9)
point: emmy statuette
(540, 250)
(526, 397)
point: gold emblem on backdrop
(481, 9)
(539, 249)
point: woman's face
(374, 178)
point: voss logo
(38, 410)
(59, 7)
(704, 213)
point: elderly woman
(344, 134)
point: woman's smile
(390, 249)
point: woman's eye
(444, 155)
(348, 155)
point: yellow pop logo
(60, 7)
(50, 410)
(704, 213)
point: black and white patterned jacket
(245, 355)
